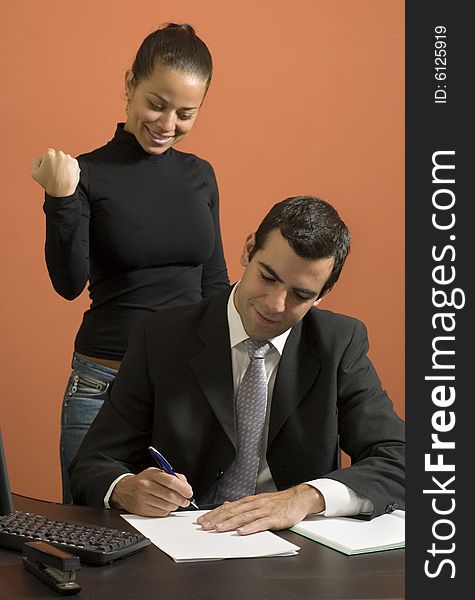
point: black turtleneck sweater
(143, 229)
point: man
(250, 394)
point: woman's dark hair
(176, 46)
(312, 228)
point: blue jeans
(85, 393)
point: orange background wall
(307, 98)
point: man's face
(278, 287)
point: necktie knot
(257, 349)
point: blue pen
(166, 466)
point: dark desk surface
(316, 573)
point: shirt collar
(237, 333)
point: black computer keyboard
(98, 545)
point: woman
(135, 218)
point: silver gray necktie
(251, 402)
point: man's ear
(325, 293)
(248, 247)
(129, 86)
(317, 302)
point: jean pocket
(85, 386)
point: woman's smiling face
(163, 108)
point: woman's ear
(129, 86)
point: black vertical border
(432, 127)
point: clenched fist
(56, 172)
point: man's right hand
(151, 493)
(56, 172)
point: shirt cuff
(111, 488)
(340, 500)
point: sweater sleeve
(215, 274)
(67, 239)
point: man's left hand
(276, 510)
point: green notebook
(354, 536)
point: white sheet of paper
(179, 536)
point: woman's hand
(56, 172)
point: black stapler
(53, 566)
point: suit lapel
(298, 370)
(212, 365)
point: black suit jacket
(174, 391)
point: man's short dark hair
(313, 229)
